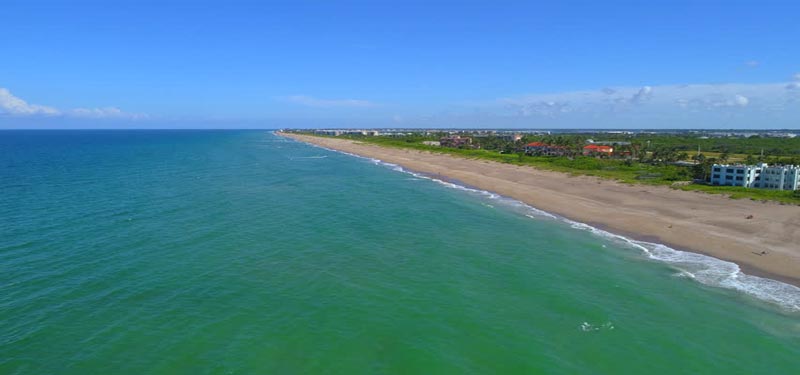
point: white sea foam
(588, 327)
(709, 270)
(307, 157)
(704, 269)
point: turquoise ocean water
(240, 252)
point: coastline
(744, 267)
(688, 221)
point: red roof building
(589, 150)
(539, 148)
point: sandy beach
(710, 224)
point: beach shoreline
(706, 224)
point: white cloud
(15, 106)
(752, 64)
(741, 101)
(311, 101)
(644, 94)
(10, 104)
(685, 105)
(107, 112)
(796, 77)
(608, 91)
(653, 99)
(547, 108)
(714, 101)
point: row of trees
(663, 150)
(733, 145)
(574, 143)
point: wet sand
(705, 223)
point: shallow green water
(160, 252)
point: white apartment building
(758, 176)
(735, 175)
(781, 178)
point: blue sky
(620, 64)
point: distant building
(757, 176)
(431, 143)
(338, 132)
(455, 141)
(510, 137)
(780, 177)
(608, 143)
(782, 135)
(539, 148)
(334, 133)
(597, 150)
(736, 175)
(535, 148)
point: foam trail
(709, 270)
(308, 157)
(704, 269)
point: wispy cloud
(311, 101)
(107, 112)
(644, 94)
(686, 105)
(707, 97)
(794, 85)
(15, 106)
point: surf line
(701, 268)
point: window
(739, 178)
(716, 169)
(729, 177)
(716, 176)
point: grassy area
(787, 147)
(732, 158)
(581, 165)
(736, 192)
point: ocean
(241, 252)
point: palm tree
(723, 157)
(700, 158)
(635, 147)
